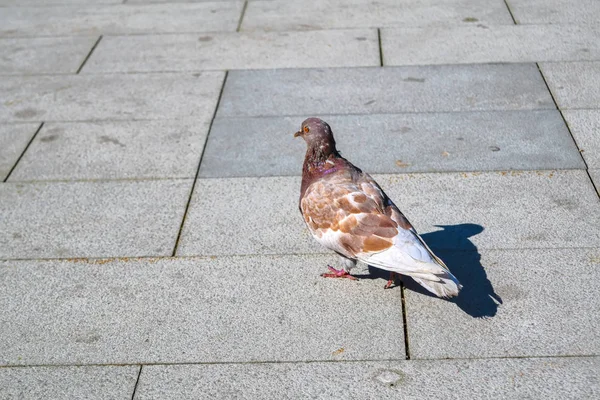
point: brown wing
(346, 218)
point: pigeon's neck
(319, 161)
(318, 155)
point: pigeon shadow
(477, 297)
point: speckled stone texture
(91, 219)
(510, 209)
(229, 309)
(455, 379)
(190, 52)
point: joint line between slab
(137, 381)
(380, 47)
(510, 12)
(239, 26)
(404, 322)
(187, 207)
(89, 55)
(24, 151)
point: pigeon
(348, 212)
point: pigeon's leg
(343, 272)
(338, 273)
(391, 281)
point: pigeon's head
(316, 133)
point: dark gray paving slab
(13, 140)
(114, 150)
(306, 92)
(574, 84)
(193, 310)
(539, 290)
(554, 11)
(61, 55)
(585, 127)
(421, 142)
(102, 97)
(553, 378)
(120, 19)
(66, 383)
(488, 44)
(536, 209)
(91, 219)
(328, 14)
(256, 50)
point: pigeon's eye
(306, 129)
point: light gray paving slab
(307, 92)
(61, 55)
(488, 44)
(66, 383)
(116, 97)
(40, 3)
(421, 142)
(574, 84)
(553, 378)
(256, 50)
(554, 11)
(91, 219)
(535, 209)
(585, 127)
(328, 14)
(595, 174)
(120, 19)
(540, 290)
(13, 140)
(178, 1)
(238, 309)
(114, 150)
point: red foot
(338, 273)
(391, 281)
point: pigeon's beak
(299, 133)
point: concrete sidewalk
(150, 241)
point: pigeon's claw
(338, 273)
(391, 281)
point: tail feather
(444, 286)
(433, 274)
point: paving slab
(414, 142)
(538, 288)
(65, 383)
(574, 84)
(307, 92)
(595, 175)
(13, 140)
(585, 127)
(256, 50)
(332, 14)
(114, 150)
(554, 11)
(178, 1)
(40, 3)
(91, 219)
(60, 55)
(116, 97)
(238, 309)
(531, 209)
(120, 19)
(489, 44)
(554, 378)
